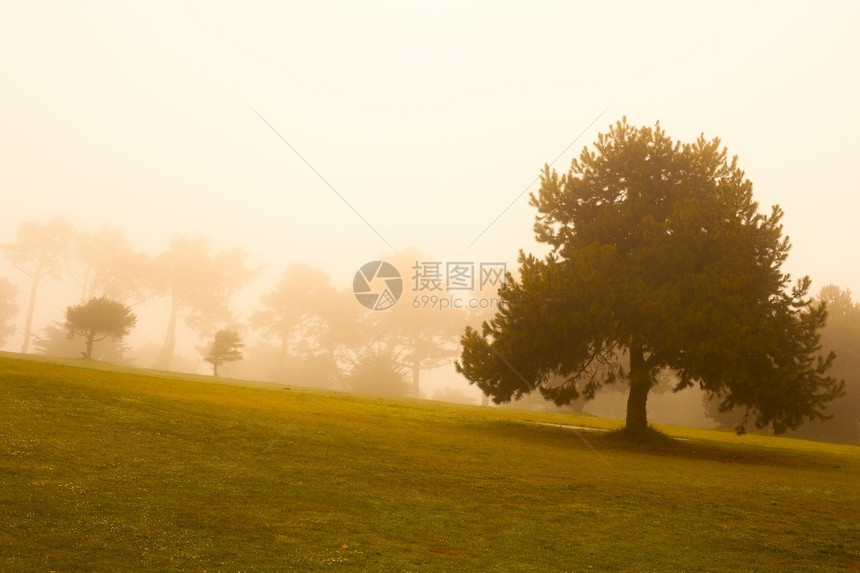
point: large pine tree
(660, 260)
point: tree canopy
(315, 325)
(98, 319)
(842, 335)
(225, 347)
(39, 253)
(304, 312)
(421, 338)
(660, 259)
(198, 285)
(107, 265)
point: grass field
(117, 470)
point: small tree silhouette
(98, 319)
(225, 347)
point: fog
(332, 134)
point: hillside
(111, 469)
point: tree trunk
(89, 353)
(416, 371)
(640, 384)
(215, 369)
(166, 356)
(37, 277)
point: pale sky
(428, 118)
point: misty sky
(428, 118)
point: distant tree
(315, 325)
(225, 347)
(8, 308)
(107, 265)
(198, 286)
(423, 335)
(53, 340)
(294, 313)
(377, 372)
(98, 319)
(426, 338)
(842, 335)
(659, 254)
(40, 253)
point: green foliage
(8, 308)
(842, 336)
(226, 347)
(98, 319)
(659, 255)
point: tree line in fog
(305, 331)
(308, 331)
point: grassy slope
(110, 470)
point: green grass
(116, 469)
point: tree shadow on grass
(655, 442)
